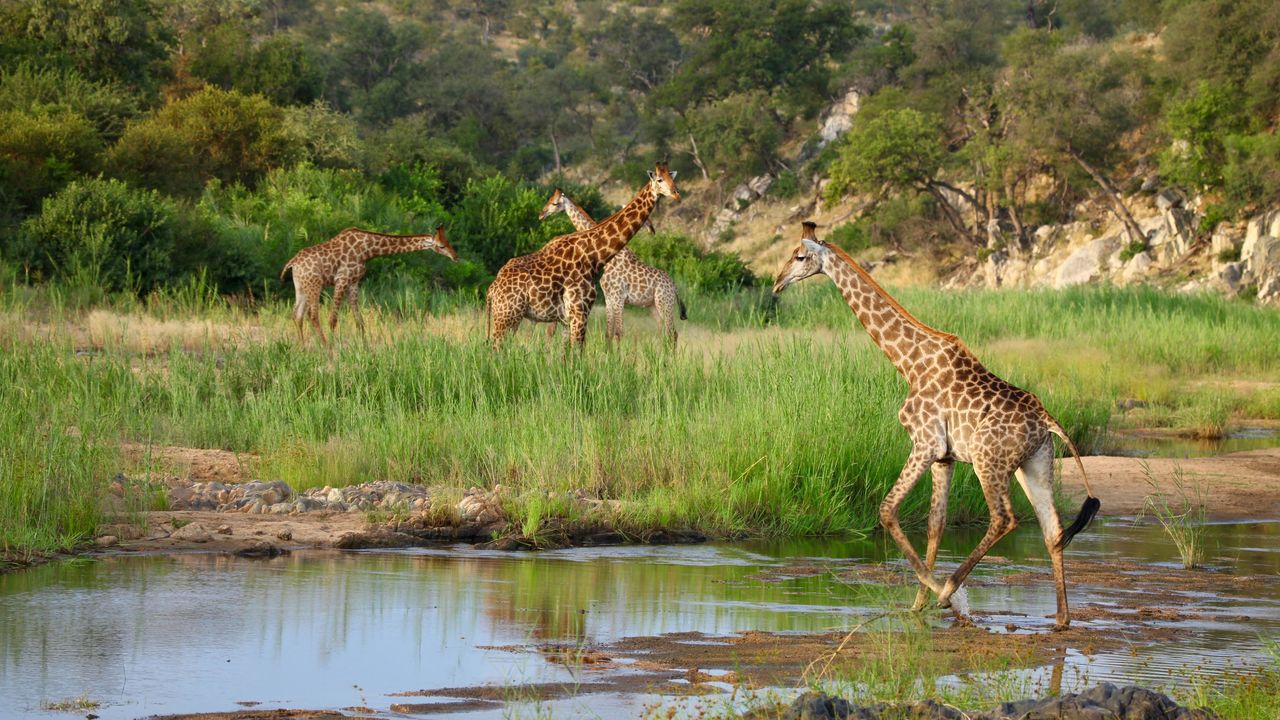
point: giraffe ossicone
(557, 282)
(339, 262)
(626, 280)
(956, 411)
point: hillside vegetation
(147, 141)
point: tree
(898, 149)
(119, 40)
(212, 134)
(1074, 104)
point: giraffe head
(805, 262)
(558, 202)
(438, 243)
(663, 182)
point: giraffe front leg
(353, 300)
(941, 472)
(339, 294)
(613, 307)
(995, 487)
(917, 463)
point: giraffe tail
(1091, 503)
(684, 314)
(287, 265)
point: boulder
(1137, 267)
(1085, 264)
(1229, 278)
(1259, 226)
(1168, 199)
(193, 532)
(840, 118)
(1263, 259)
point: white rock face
(1265, 225)
(840, 119)
(1229, 277)
(1086, 264)
(1137, 267)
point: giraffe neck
(907, 342)
(602, 242)
(579, 217)
(377, 244)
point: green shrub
(786, 186)
(39, 153)
(37, 90)
(211, 134)
(102, 233)
(1252, 174)
(705, 271)
(851, 236)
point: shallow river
(163, 634)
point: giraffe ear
(812, 246)
(673, 174)
(652, 176)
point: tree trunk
(1135, 232)
(555, 148)
(952, 216)
(697, 158)
(1015, 217)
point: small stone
(106, 540)
(284, 535)
(194, 532)
(224, 530)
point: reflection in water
(199, 632)
(1137, 443)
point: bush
(35, 90)
(211, 134)
(706, 271)
(101, 233)
(1252, 175)
(39, 153)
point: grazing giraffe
(626, 280)
(340, 262)
(956, 411)
(557, 282)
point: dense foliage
(250, 129)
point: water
(200, 632)
(1135, 443)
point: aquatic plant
(1181, 512)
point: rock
(1085, 264)
(1229, 277)
(1223, 242)
(285, 535)
(1137, 267)
(193, 532)
(223, 530)
(760, 184)
(1150, 183)
(260, 549)
(480, 506)
(1263, 260)
(840, 118)
(1104, 702)
(1269, 290)
(1258, 227)
(106, 540)
(1168, 199)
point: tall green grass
(785, 432)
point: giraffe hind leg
(1036, 478)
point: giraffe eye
(800, 258)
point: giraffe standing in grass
(956, 411)
(557, 283)
(340, 262)
(626, 279)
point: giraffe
(340, 261)
(626, 279)
(557, 283)
(956, 411)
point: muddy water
(147, 635)
(1137, 443)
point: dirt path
(1237, 486)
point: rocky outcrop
(1238, 258)
(1103, 701)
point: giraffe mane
(884, 294)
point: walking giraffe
(339, 262)
(956, 411)
(626, 280)
(557, 282)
